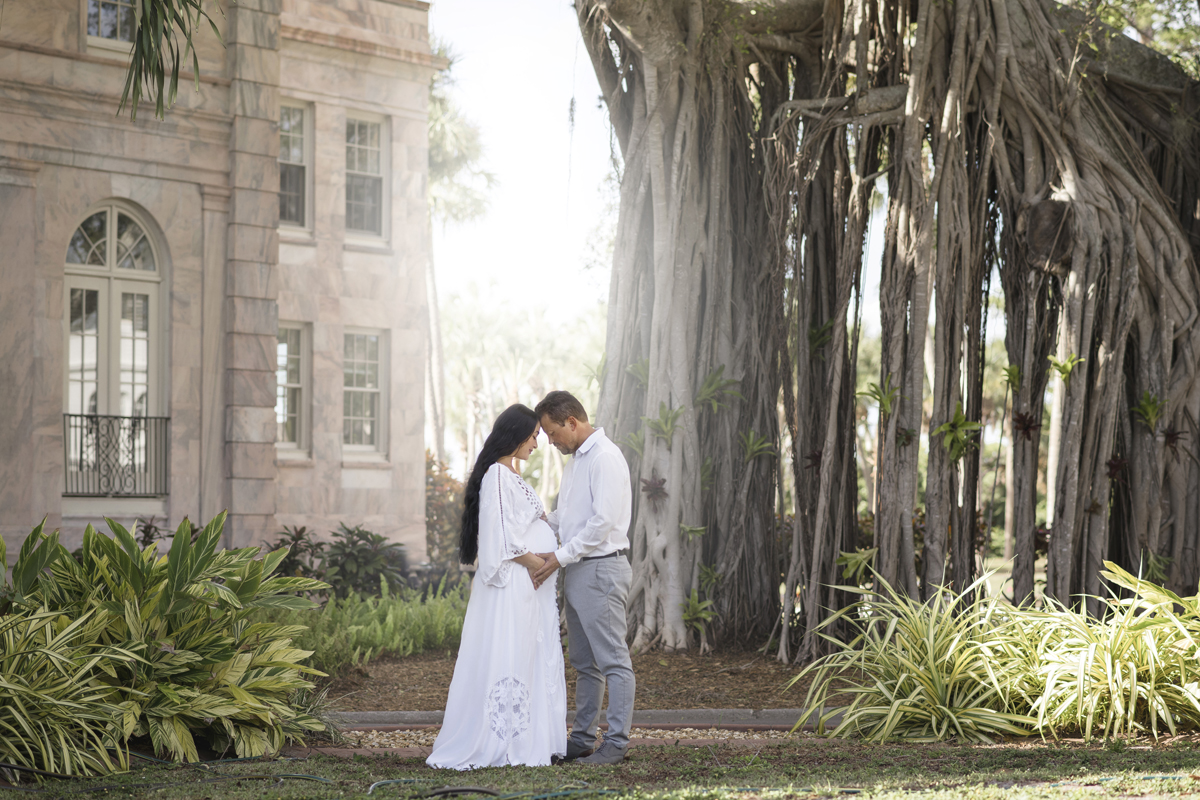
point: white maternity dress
(507, 702)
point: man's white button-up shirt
(594, 503)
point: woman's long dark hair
(514, 425)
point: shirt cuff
(564, 559)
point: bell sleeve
(504, 517)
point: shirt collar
(590, 442)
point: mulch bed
(737, 679)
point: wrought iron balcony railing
(115, 456)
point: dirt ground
(664, 681)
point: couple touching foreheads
(507, 702)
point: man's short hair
(558, 405)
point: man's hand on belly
(547, 569)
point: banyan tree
(1015, 138)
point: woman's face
(528, 446)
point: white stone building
(224, 309)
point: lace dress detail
(508, 708)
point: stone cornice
(18, 171)
(92, 59)
(362, 46)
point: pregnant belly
(539, 538)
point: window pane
(83, 351)
(364, 200)
(87, 245)
(291, 194)
(291, 135)
(135, 352)
(133, 250)
(112, 19)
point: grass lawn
(810, 767)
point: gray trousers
(596, 592)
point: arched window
(114, 342)
(115, 434)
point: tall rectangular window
(290, 379)
(135, 354)
(364, 177)
(361, 389)
(293, 180)
(83, 352)
(114, 20)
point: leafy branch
(1012, 376)
(716, 388)
(1150, 410)
(1064, 367)
(161, 25)
(885, 396)
(958, 434)
(667, 423)
(640, 371)
(754, 445)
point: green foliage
(754, 445)
(697, 614)
(917, 671)
(706, 474)
(715, 389)
(667, 423)
(161, 26)
(358, 560)
(1012, 376)
(958, 435)
(443, 514)
(692, 532)
(1064, 367)
(351, 631)
(972, 667)
(885, 397)
(1149, 410)
(640, 371)
(818, 337)
(57, 710)
(635, 441)
(710, 579)
(857, 564)
(166, 639)
(595, 375)
(304, 553)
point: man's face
(564, 437)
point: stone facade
(204, 185)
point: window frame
(354, 235)
(113, 47)
(301, 448)
(309, 152)
(113, 281)
(379, 450)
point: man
(592, 520)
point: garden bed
(732, 679)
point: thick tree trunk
(747, 168)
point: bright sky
(519, 64)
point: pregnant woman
(507, 702)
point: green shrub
(56, 712)
(971, 667)
(916, 671)
(443, 514)
(358, 560)
(351, 631)
(168, 640)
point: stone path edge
(423, 752)
(776, 718)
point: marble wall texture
(205, 181)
